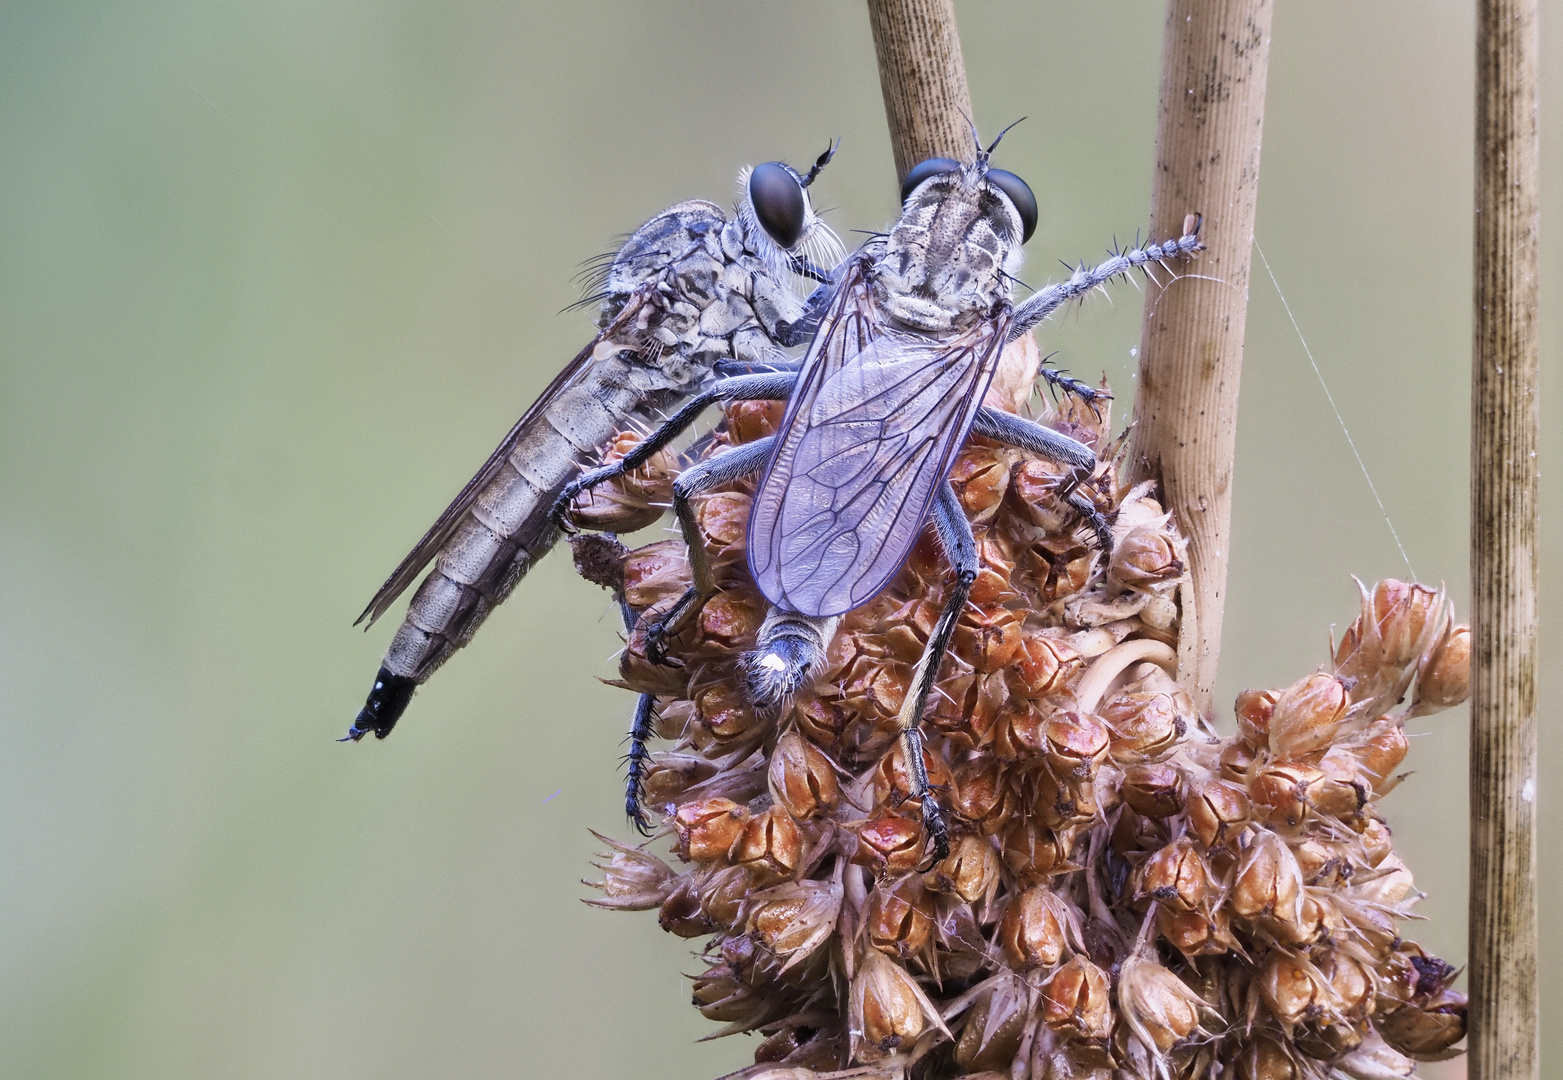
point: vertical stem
(1504, 490)
(1215, 57)
(923, 79)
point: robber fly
(888, 391)
(690, 289)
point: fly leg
(722, 468)
(960, 547)
(1012, 430)
(636, 761)
(1070, 385)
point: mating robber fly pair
(904, 336)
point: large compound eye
(923, 170)
(1019, 193)
(777, 198)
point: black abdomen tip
(387, 701)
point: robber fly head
(950, 256)
(780, 223)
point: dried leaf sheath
(1127, 895)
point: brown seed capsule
(1329, 1040)
(1268, 883)
(770, 847)
(1035, 483)
(633, 880)
(1147, 718)
(730, 620)
(1158, 1006)
(1155, 791)
(1032, 852)
(1194, 934)
(707, 829)
(1237, 761)
(1307, 715)
(980, 479)
(722, 518)
(1401, 611)
(1217, 812)
(1444, 679)
(681, 913)
(1075, 744)
(1146, 558)
(987, 637)
(671, 774)
(801, 778)
(995, 567)
(971, 870)
(1061, 804)
(1383, 748)
(1292, 988)
(899, 916)
(1350, 982)
(1427, 1027)
(1323, 862)
(1265, 1059)
(992, 1034)
(1388, 883)
(1044, 666)
(626, 503)
(1374, 839)
(1077, 1002)
(822, 721)
(981, 795)
(1254, 709)
(892, 784)
(1032, 930)
(1283, 794)
(723, 894)
(655, 573)
(723, 712)
(800, 920)
(892, 842)
(887, 1007)
(1176, 876)
(751, 420)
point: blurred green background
(274, 278)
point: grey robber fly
(888, 391)
(690, 289)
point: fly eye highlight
(777, 198)
(1019, 193)
(923, 170)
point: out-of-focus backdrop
(275, 278)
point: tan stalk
(1504, 490)
(923, 80)
(1214, 60)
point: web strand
(1363, 465)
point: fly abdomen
(388, 699)
(789, 649)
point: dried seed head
(1307, 715)
(970, 871)
(1062, 804)
(1176, 876)
(1379, 754)
(1292, 988)
(987, 637)
(1035, 483)
(1329, 1041)
(1033, 852)
(1147, 557)
(1401, 611)
(657, 573)
(633, 880)
(1033, 929)
(671, 774)
(707, 829)
(892, 842)
(1350, 982)
(1217, 812)
(1196, 934)
(1374, 839)
(1283, 794)
(730, 620)
(722, 710)
(1265, 1059)
(887, 1008)
(899, 916)
(1254, 709)
(770, 846)
(1237, 761)
(1075, 744)
(1148, 718)
(981, 795)
(892, 784)
(722, 518)
(1044, 666)
(1158, 1006)
(1444, 678)
(992, 1033)
(629, 502)
(1375, 1059)
(1077, 1002)
(751, 420)
(1268, 883)
(723, 894)
(1155, 791)
(1428, 1026)
(801, 778)
(980, 479)
(681, 913)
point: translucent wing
(868, 436)
(442, 529)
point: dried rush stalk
(1127, 894)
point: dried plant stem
(1504, 490)
(923, 80)
(1214, 62)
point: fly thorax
(949, 258)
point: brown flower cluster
(1126, 895)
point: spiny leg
(1069, 385)
(722, 468)
(1012, 430)
(960, 547)
(636, 761)
(766, 386)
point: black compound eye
(923, 170)
(1019, 193)
(777, 198)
